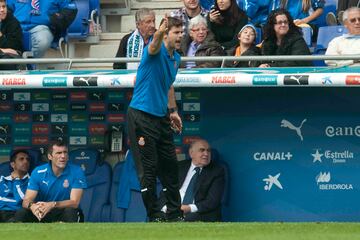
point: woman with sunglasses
(283, 37)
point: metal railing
(223, 59)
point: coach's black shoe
(176, 219)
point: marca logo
(5, 129)
(264, 80)
(41, 96)
(352, 80)
(5, 118)
(59, 96)
(61, 129)
(54, 81)
(22, 141)
(334, 156)
(96, 96)
(5, 107)
(78, 129)
(40, 140)
(96, 140)
(286, 124)
(79, 117)
(191, 96)
(223, 79)
(97, 117)
(78, 140)
(40, 128)
(116, 118)
(59, 107)
(296, 79)
(21, 96)
(22, 107)
(332, 131)
(19, 118)
(22, 129)
(40, 107)
(5, 140)
(78, 96)
(40, 117)
(85, 81)
(189, 139)
(78, 107)
(14, 81)
(5, 96)
(97, 107)
(96, 129)
(116, 107)
(270, 181)
(266, 156)
(190, 117)
(116, 95)
(191, 107)
(59, 118)
(323, 181)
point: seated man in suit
(13, 187)
(202, 184)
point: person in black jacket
(132, 44)
(11, 39)
(204, 204)
(282, 37)
(246, 47)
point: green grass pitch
(157, 231)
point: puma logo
(286, 124)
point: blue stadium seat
(98, 177)
(79, 28)
(330, 6)
(325, 35)
(258, 35)
(307, 34)
(5, 168)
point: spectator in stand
(133, 44)
(44, 19)
(283, 37)
(348, 43)
(13, 187)
(200, 42)
(11, 42)
(342, 5)
(257, 10)
(54, 191)
(225, 21)
(190, 10)
(304, 12)
(245, 47)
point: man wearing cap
(55, 190)
(13, 187)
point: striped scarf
(134, 49)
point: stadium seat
(330, 6)
(258, 35)
(307, 33)
(325, 35)
(5, 168)
(98, 177)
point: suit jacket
(208, 191)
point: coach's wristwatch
(172, 110)
(30, 204)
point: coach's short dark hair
(59, 143)
(172, 22)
